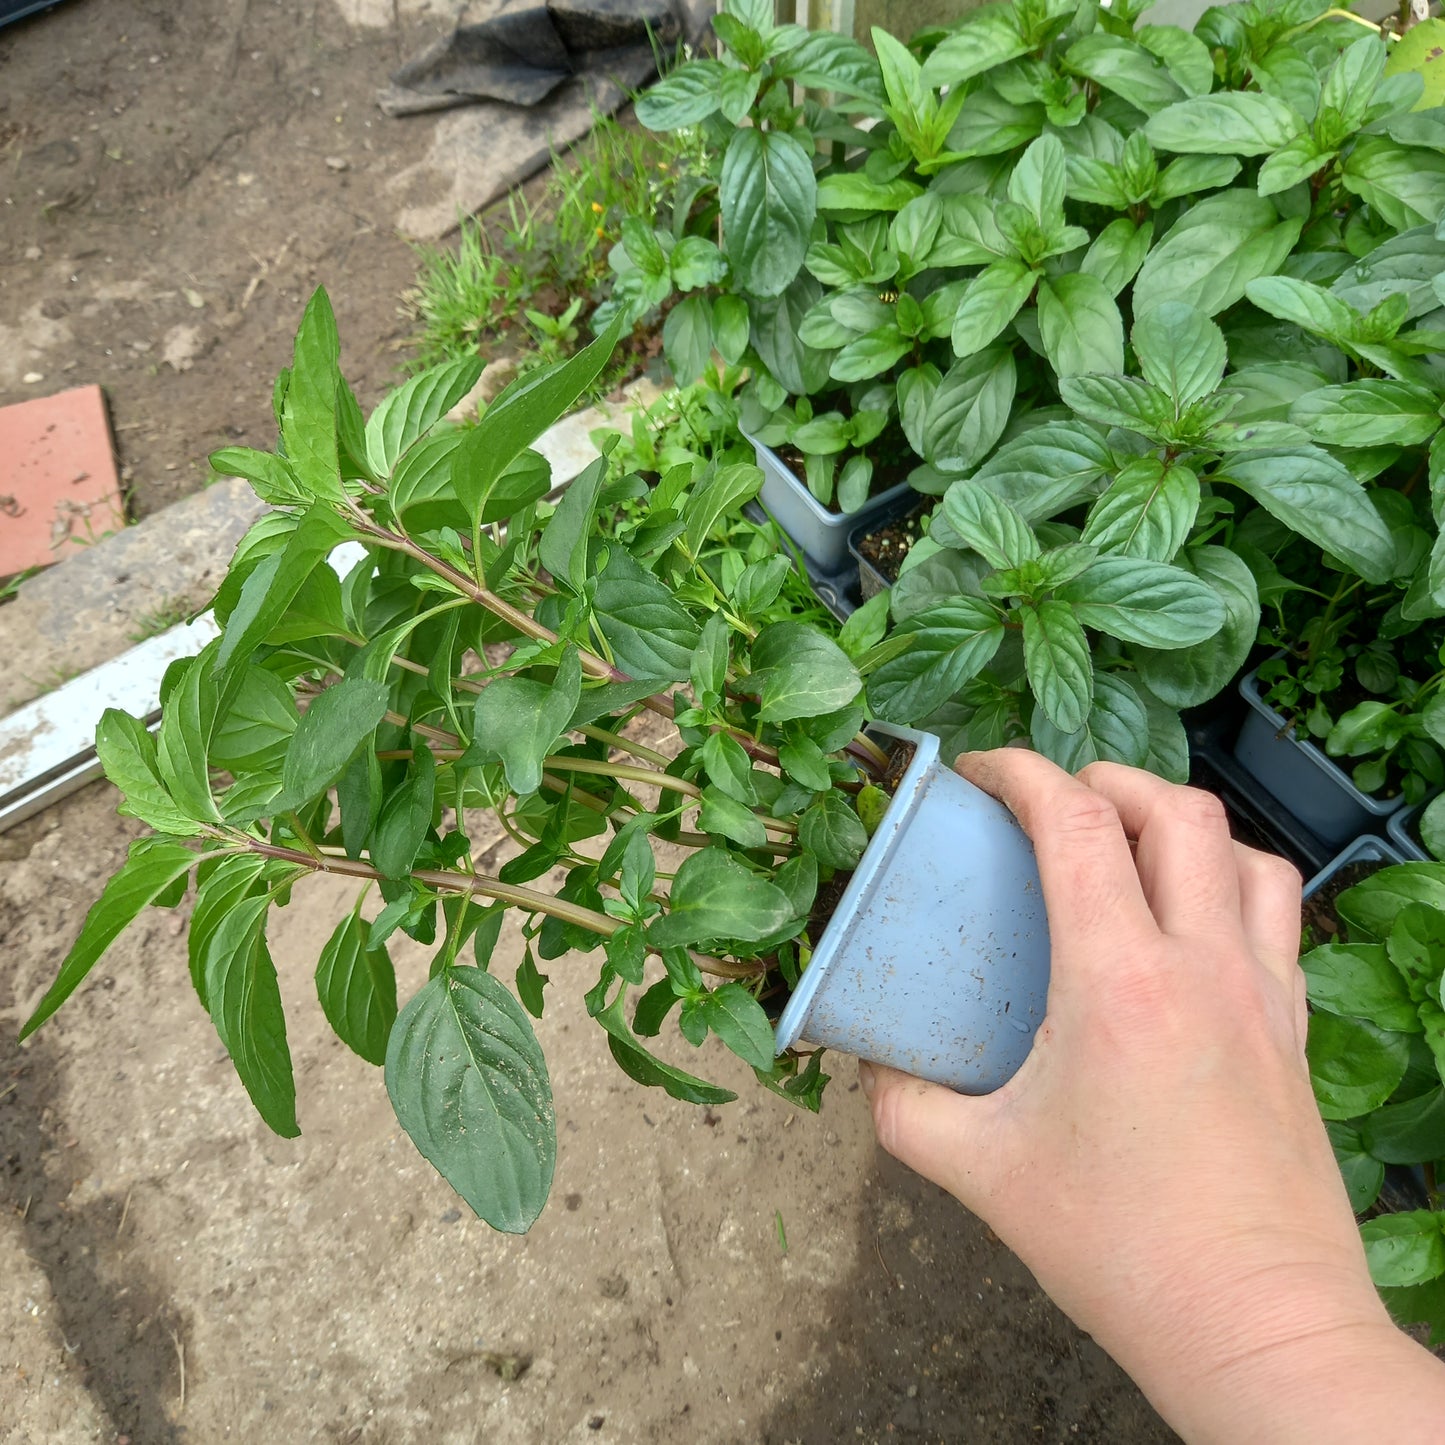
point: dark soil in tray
(887, 547)
(1319, 921)
(886, 474)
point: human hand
(1158, 1161)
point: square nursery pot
(1302, 777)
(936, 960)
(1365, 849)
(871, 581)
(823, 535)
(1404, 831)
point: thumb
(937, 1133)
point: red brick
(58, 486)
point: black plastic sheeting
(525, 51)
(19, 9)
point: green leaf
(1116, 729)
(715, 897)
(1047, 469)
(1312, 493)
(1412, 1132)
(695, 262)
(188, 719)
(1372, 412)
(1144, 602)
(563, 545)
(1125, 401)
(152, 866)
(1363, 1174)
(951, 643)
(737, 1018)
(259, 724)
(1214, 251)
(1148, 511)
(518, 416)
(406, 817)
(991, 527)
(469, 1084)
(1405, 1249)
(518, 721)
(127, 752)
(1181, 351)
(272, 477)
(769, 198)
(245, 1004)
(721, 493)
(687, 339)
(308, 414)
(357, 989)
(832, 833)
(1185, 56)
(1305, 304)
(408, 413)
(1419, 50)
(805, 762)
(1404, 185)
(530, 983)
(1358, 980)
(730, 327)
(800, 673)
(650, 632)
(221, 883)
(1189, 175)
(969, 410)
(1117, 253)
(1354, 1067)
(687, 96)
(332, 731)
(1188, 676)
(992, 300)
(1060, 672)
(852, 191)
(1372, 906)
(1237, 123)
(722, 817)
(985, 39)
(1416, 947)
(1080, 325)
(1125, 68)
(272, 586)
(1037, 182)
(644, 1068)
(728, 767)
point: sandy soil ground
(174, 181)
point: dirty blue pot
(936, 960)
(1302, 777)
(1404, 831)
(1365, 849)
(823, 535)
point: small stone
(33, 253)
(451, 1216)
(31, 377)
(337, 163)
(596, 1422)
(245, 178)
(193, 297)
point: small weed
(152, 624)
(10, 586)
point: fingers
(1184, 854)
(1269, 900)
(1091, 888)
(926, 1126)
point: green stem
(625, 745)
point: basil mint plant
(479, 662)
(1377, 1061)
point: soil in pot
(1319, 922)
(887, 547)
(887, 472)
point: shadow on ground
(941, 1335)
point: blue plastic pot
(1403, 829)
(823, 535)
(936, 960)
(1318, 793)
(1366, 849)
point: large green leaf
(245, 1003)
(1047, 469)
(469, 1084)
(968, 410)
(1147, 511)
(357, 989)
(1236, 122)
(651, 634)
(1354, 1066)
(1405, 1249)
(519, 415)
(1358, 980)
(1409, 1132)
(1080, 325)
(308, 410)
(1214, 251)
(1309, 491)
(1116, 729)
(1060, 671)
(151, 867)
(563, 544)
(985, 39)
(1404, 185)
(1126, 68)
(714, 896)
(799, 672)
(221, 883)
(258, 725)
(127, 752)
(1180, 350)
(519, 720)
(406, 816)
(330, 733)
(188, 720)
(832, 833)
(769, 199)
(989, 525)
(993, 299)
(409, 412)
(688, 95)
(737, 1018)
(1372, 412)
(950, 644)
(1372, 906)
(1144, 602)
(646, 1069)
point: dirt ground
(171, 1272)
(174, 181)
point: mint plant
(1376, 1052)
(483, 658)
(1169, 296)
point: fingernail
(867, 1078)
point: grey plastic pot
(936, 960)
(1365, 849)
(1403, 830)
(1302, 777)
(822, 534)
